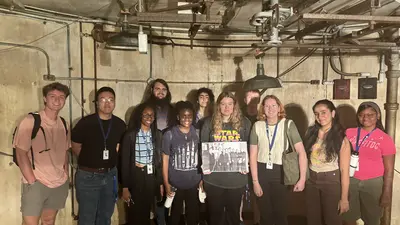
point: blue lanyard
(362, 141)
(271, 142)
(105, 136)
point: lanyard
(362, 141)
(271, 142)
(105, 136)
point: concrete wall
(21, 71)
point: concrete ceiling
(235, 14)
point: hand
(385, 199)
(201, 186)
(257, 189)
(244, 172)
(162, 190)
(126, 196)
(168, 190)
(299, 186)
(343, 206)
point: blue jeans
(96, 195)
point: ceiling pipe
(31, 47)
(177, 82)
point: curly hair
(209, 109)
(261, 112)
(334, 137)
(235, 118)
(135, 121)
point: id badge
(358, 166)
(149, 169)
(270, 165)
(106, 154)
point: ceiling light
(261, 81)
(123, 41)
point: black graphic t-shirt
(183, 172)
(227, 134)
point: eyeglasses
(146, 116)
(104, 100)
(367, 115)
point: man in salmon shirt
(44, 187)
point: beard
(159, 102)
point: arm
(76, 148)
(344, 165)
(388, 163)
(299, 147)
(253, 163)
(126, 167)
(205, 131)
(25, 165)
(165, 165)
(66, 163)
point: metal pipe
(181, 7)
(150, 55)
(333, 66)
(391, 106)
(31, 47)
(35, 9)
(169, 82)
(63, 20)
(81, 67)
(325, 63)
(381, 73)
(95, 64)
(328, 46)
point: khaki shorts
(36, 197)
(364, 201)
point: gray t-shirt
(183, 172)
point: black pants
(223, 205)
(323, 192)
(143, 193)
(273, 204)
(192, 210)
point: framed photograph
(225, 157)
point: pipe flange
(393, 74)
(391, 106)
(149, 80)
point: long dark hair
(135, 122)
(334, 137)
(168, 97)
(375, 107)
(210, 105)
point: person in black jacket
(141, 165)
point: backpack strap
(65, 125)
(36, 126)
(287, 137)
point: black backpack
(35, 130)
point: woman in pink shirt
(371, 184)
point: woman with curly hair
(204, 105)
(140, 161)
(329, 157)
(225, 189)
(269, 139)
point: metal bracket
(49, 77)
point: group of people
(346, 174)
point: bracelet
(255, 180)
